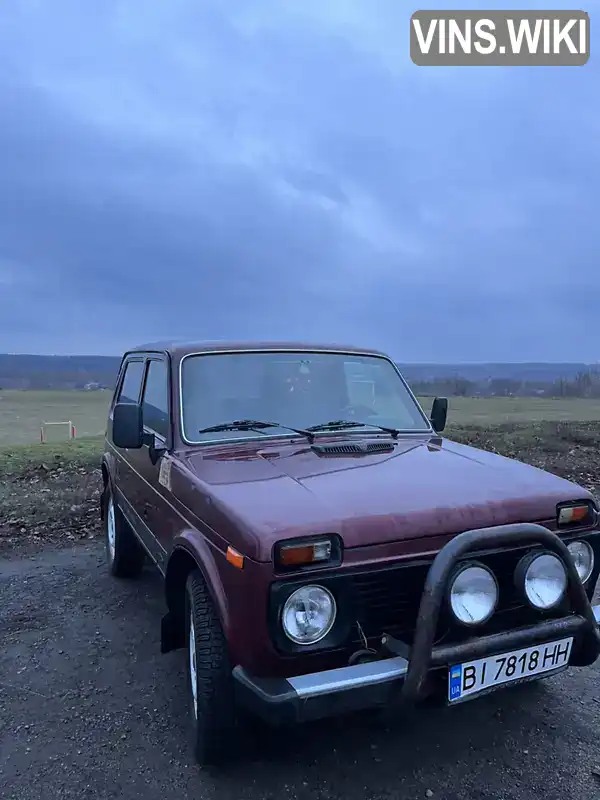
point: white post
(70, 435)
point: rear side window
(132, 382)
(155, 405)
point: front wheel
(209, 679)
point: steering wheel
(352, 410)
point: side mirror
(127, 426)
(439, 413)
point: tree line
(584, 384)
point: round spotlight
(473, 594)
(544, 581)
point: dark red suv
(323, 548)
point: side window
(155, 405)
(132, 382)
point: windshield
(299, 389)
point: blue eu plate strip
(455, 682)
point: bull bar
(401, 678)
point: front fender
(239, 596)
(210, 561)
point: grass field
(487, 411)
(22, 412)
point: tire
(209, 681)
(124, 554)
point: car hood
(426, 487)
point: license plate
(474, 677)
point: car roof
(180, 348)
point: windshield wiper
(254, 424)
(338, 424)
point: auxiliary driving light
(308, 614)
(583, 556)
(473, 594)
(544, 581)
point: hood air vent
(353, 448)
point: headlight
(473, 595)
(308, 614)
(545, 581)
(583, 556)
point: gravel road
(89, 708)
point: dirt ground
(49, 494)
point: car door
(158, 511)
(126, 477)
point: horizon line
(406, 363)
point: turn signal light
(235, 559)
(574, 514)
(299, 555)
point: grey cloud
(276, 175)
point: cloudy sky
(281, 169)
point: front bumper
(402, 679)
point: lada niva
(324, 549)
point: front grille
(387, 600)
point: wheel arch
(105, 470)
(181, 563)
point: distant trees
(462, 387)
(504, 387)
(585, 383)
(56, 372)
